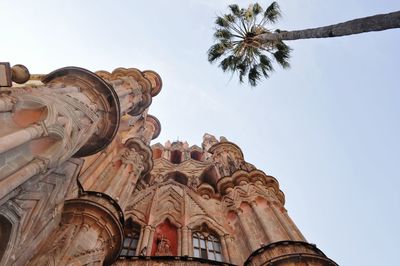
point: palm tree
(244, 44)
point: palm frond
(229, 63)
(230, 18)
(249, 14)
(222, 22)
(272, 13)
(254, 75)
(216, 51)
(235, 10)
(243, 68)
(223, 34)
(257, 9)
(265, 63)
(282, 54)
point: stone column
(150, 241)
(224, 248)
(294, 226)
(139, 245)
(20, 137)
(21, 176)
(136, 157)
(184, 242)
(276, 230)
(231, 249)
(246, 230)
(145, 240)
(179, 242)
(190, 242)
(118, 180)
(261, 219)
(89, 234)
(285, 221)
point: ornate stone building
(81, 185)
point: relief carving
(163, 246)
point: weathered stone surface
(171, 204)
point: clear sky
(327, 129)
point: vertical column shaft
(232, 252)
(286, 224)
(190, 242)
(277, 231)
(224, 247)
(150, 241)
(145, 239)
(262, 221)
(139, 245)
(246, 230)
(185, 240)
(180, 244)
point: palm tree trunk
(356, 26)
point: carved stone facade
(81, 185)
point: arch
(179, 177)
(24, 117)
(165, 240)
(176, 157)
(136, 216)
(210, 176)
(166, 216)
(198, 220)
(196, 155)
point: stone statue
(163, 246)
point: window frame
(131, 246)
(207, 246)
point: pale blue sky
(327, 129)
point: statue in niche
(163, 246)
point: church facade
(80, 183)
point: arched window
(196, 155)
(176, 157)
(132, 233)
(130, 244)
(206, 246)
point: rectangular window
(204, 253)
(195, 242)
(202, 243)
(211, 256)
(196, 253)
